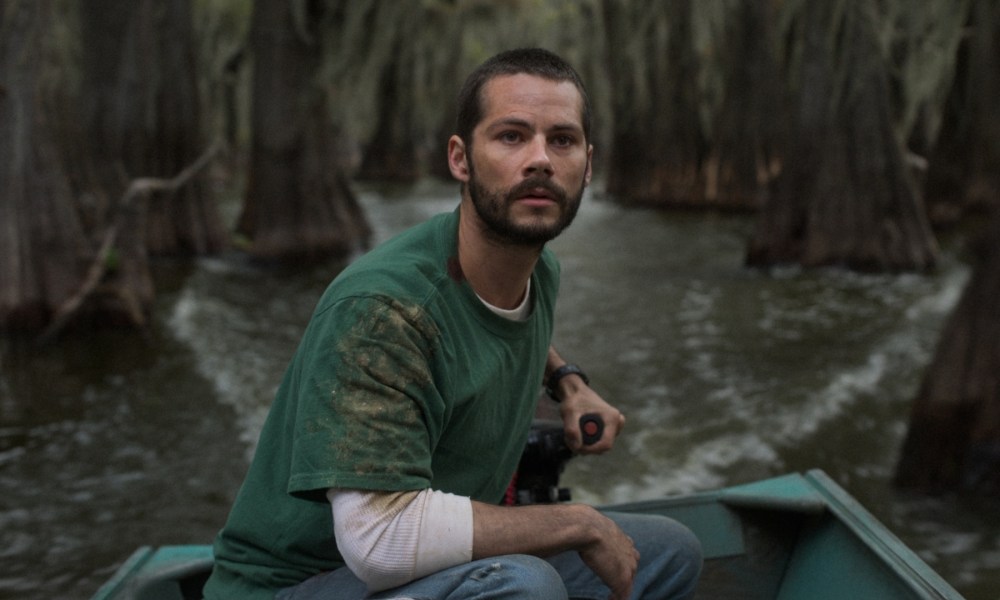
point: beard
(494, 207)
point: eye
(563, 140)
(509, 137)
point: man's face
(529, 163)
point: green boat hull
(794, 537)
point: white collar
(520, 313)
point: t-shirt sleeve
(367, 394)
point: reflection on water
(105, 443)
(726, 375)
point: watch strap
(551, 385)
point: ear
(458, 159)
(590, 165)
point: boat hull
(800, 536)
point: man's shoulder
(441, 227)
(403, 265)
(403, 275)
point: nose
(538, 160)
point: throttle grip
(591, 428)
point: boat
(793, 537)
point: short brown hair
(530, 61)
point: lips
(537, 193)
(538, 190)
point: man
(402, 416)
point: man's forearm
(546, 530)
(552, 362)
(539, 530)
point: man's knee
(669, 550)
(656, 533)
(522, 576)
(687, 545)
(688, 557)
(511, 577)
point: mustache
(533, 183)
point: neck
(498, 272)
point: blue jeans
(669, 564)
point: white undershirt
(391, 538)
(520, 313)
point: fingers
(622, 590)
(615, 559)
(631, 567)
(607, 433)
(585, 401)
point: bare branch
(139, 188)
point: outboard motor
(543, 460)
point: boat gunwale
(813, 494)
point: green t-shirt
(403, 380)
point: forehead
(525, 96)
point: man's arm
(376, 530)
(576, 399)
(546, 530)
(390, 538)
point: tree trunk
(742, 162)
(451, 72)
(44, 251)
(845, 196)
(391, 155)
(656, 145)
(143, 115)
(964, 167)
(298, 204)
(953, 442)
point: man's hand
(579, 400)
(576, 400)
(613, 558)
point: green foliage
(922, 46)
(113, 260)
(241, 242)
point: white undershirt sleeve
(391, 538)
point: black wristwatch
(553, 381)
